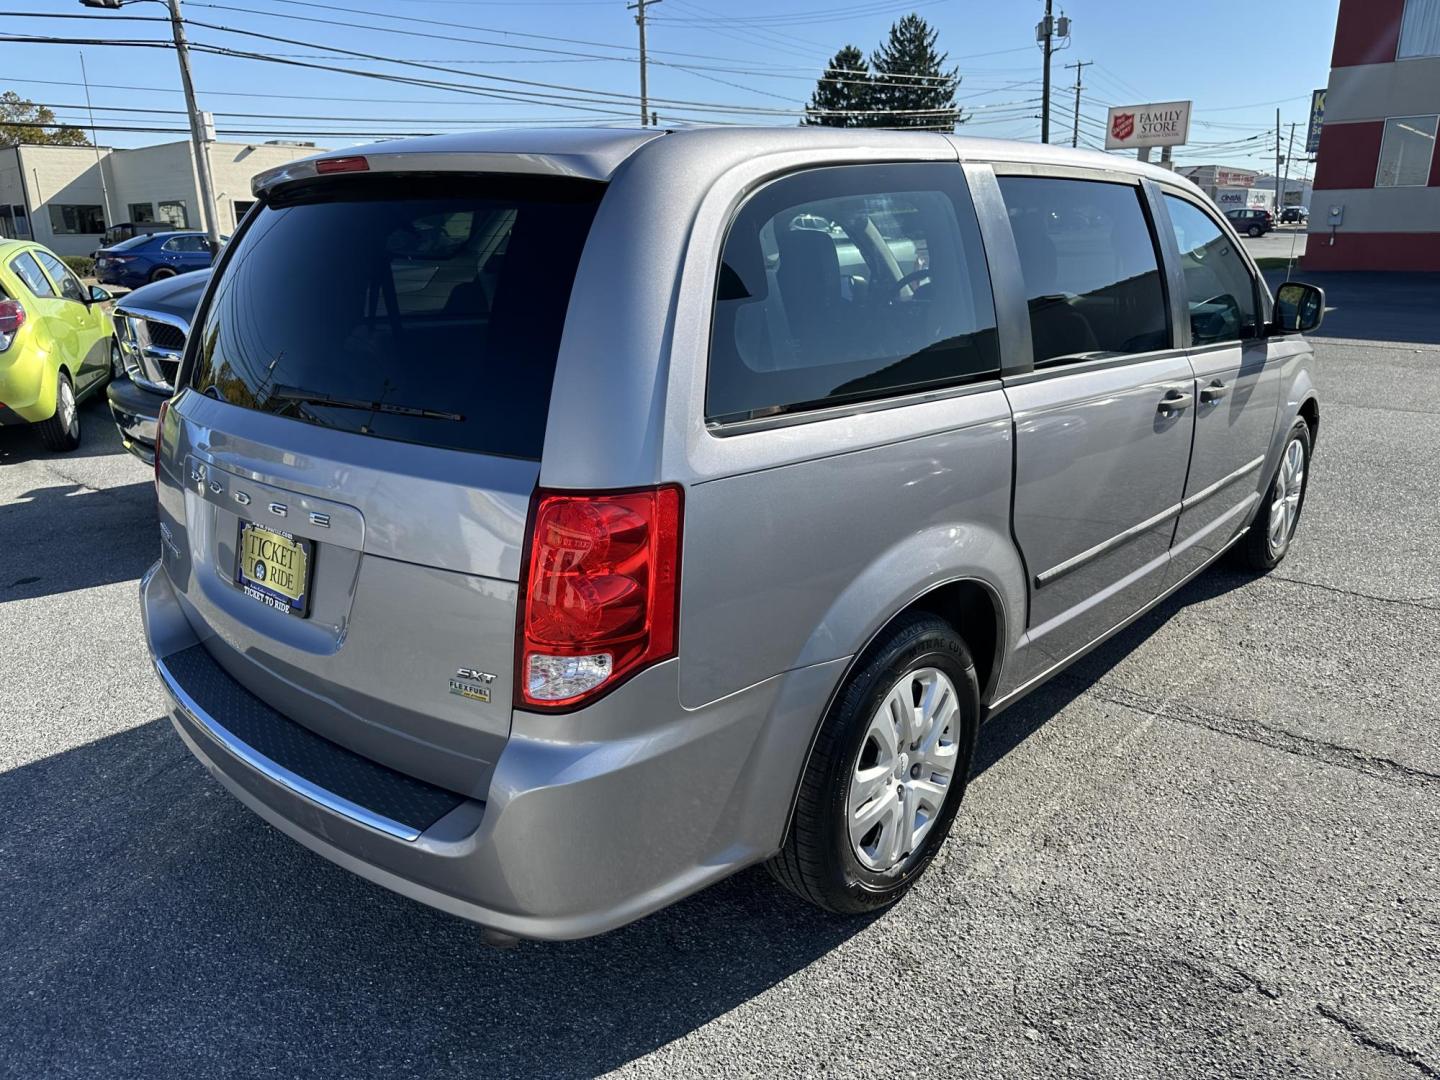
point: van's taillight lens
(160, 440)
(12, 317)
(602, 589)
(342, 164)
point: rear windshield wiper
(311, 397)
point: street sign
(1317, 117)
(1164, 124)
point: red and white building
(1376, 201)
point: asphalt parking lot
(1210, 849)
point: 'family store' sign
(1164, 124)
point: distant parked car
(1295, 215)
(125, 230)
(56, 347)
(1246, 219)
(150, 257)
(151, 325)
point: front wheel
(117, 361)
(887, 773)
(1269, 538)
(62, 431)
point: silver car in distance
(553, 523)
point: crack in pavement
(1328, 753)
(1362, 1035)
(1420, 602)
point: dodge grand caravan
(553, 523)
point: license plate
(274, 568)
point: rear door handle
(1174, 401)
(1214, 392)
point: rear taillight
(160, 440)
(12, 317)
(602, 587)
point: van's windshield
(423, 309)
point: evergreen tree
(911, 82)
(23, 121)
(843, 89)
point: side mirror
(1299, 308)
(99, 295)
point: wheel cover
(904, 770)
(65, 406)
(117, 362)
(1285, 497)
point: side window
(187, 245)
(1092, 277)
(69, 285)
(28, 270)
(1219, 289)
(846, 284)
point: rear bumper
(136, 412)
(575, 837)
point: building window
(142, 212)
(1405, 152)
(172, 211)
(1419, 30)
(14, 224)
(68, 219)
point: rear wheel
(62, 431)
(160, 273)
(1255, 230)
(1269, 538)
(887, 772)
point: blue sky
(718, 60)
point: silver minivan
(553, 523)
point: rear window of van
(422, 309)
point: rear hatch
(354, 448)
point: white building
(54, 194)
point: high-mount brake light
(602, 587)
(342, 164)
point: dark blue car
(146, 258)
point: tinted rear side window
(28, 271)
(850, 283)
(423, 310)
(1092, 277)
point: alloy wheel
(1285, 497)
(904, 770)
(117, 362)
(65, 407)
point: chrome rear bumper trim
(276, 772)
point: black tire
(117, 361)
(1258, 552)
(160, 273)
(56, 433)
(818, 862)
(1255, 230)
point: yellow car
(57, 345)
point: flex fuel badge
(472, 683)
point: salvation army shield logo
(1122, 126)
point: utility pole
(1285, 183)
(1079, 66)
(197, 135)
(639, 8)
(1046, 31)
(1277, 166)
